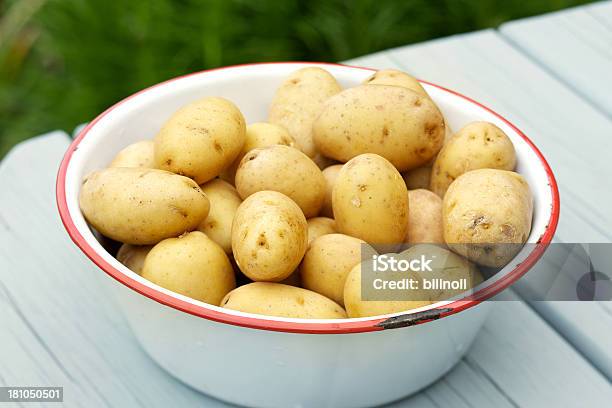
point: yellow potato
(327, 263)
(269, 236)
(298, 101)
(192, 265)
(331, 174)
(486, 215)
(417, 178)
(224, 201)
(139, 154)
(133, 256)
(275, 299)
(201, 139)
(318, 226)
(478, 145)
(396, 78)
(286, 170)
(141, 206)
(356, 307)
(370, 201)
(425, 218)
(260, 134)
(394, 122)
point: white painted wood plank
(574, 46)
(574, 137)
(62, 329)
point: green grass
(64, 61)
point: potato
(192, 265)
(275, 299)
(417, 178)
(318, 226)
(259, 134)
(133, 256)
(478, 145)
(286, 170)
(394, 77)
(394, 122)
(299, 100)
(370, 201)
(447, 266)
(356, 307)
(327, 263)
(269, 236)
(141, 206)
(424, 218)
(486, 215)
(330, 174)
(139, 154)
(224, 201)
(201, 139)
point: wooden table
(551, 75)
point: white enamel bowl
(266, 361)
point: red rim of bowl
(339, 327)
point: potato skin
(327, 263)
(286, 170)
(298, 102)
(141, 206)
(224, 201)
(139, 154)
(330, 174)
(269, 236)
(394, 77)
(478, 145)
(417, 178)
(425, 218)
(370, 201)
(192, 265)
(356, 307)
(133, 256)
(201, 139)
(275, 299)
(260, 134)
(485, 209)
(319, 226)
(394, 122)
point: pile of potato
(286, 206)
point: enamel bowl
(262, 361)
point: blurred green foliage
(64, 61)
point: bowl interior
(251, 88)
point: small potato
(370, 201)
(446, 266)
(224, 201)
(286, 170)
(275, 299)
(298, 102)
(327, 263)
(133, 256)
(192, 265)
(330, 174)
(394, 122)
(259, 134)
(486, 215)
(394, 77)
(141, 206)
(139, 154)
(201, 139)
(356, 307)
(425, 218)
(478, 145)
(417, 178)
(269, 236)
(318, 226)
